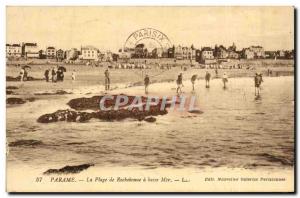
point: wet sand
(94, 76)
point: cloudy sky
(108, 27)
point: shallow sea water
(236, 129)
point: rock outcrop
(15, 101)
(18, 78)
(21, 143)
(139, 113)
(68, 169)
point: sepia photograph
(150, 99)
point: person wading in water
(146, 82)
(107, 80)
(73, 75)
(207, 79)
(193, 79)
(225, 80)
(257, 81)
(216, 71)
(179, 83)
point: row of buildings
(32, 50)
(91, 53)
(178, 52)
(206, 54)
(18, 50)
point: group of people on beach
(179, 81)
(56, 74)
(257, 81)
(194, 78)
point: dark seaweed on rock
(19, 100)
(150, 119)
(8, 92)
(19, 143)
(68, 169)
(15, 101)
(31, 99)
(12, 87)
(94, 102)
(135, 113)
(29, 78)
(65, 115)
(112, 115)
(85, 103)
(196, 111)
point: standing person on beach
(58, 75)
(107, 80)
(25, 74)
(257, 82)
(225, 80)
(73, 75)
(179, 83)
(46, 74)
(207, 79)
(146, 82)
(216, 71)
(22, 72)
(269, 72)
(53, 73)
(193, 79)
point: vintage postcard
(150, 99)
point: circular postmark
(152, 37)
